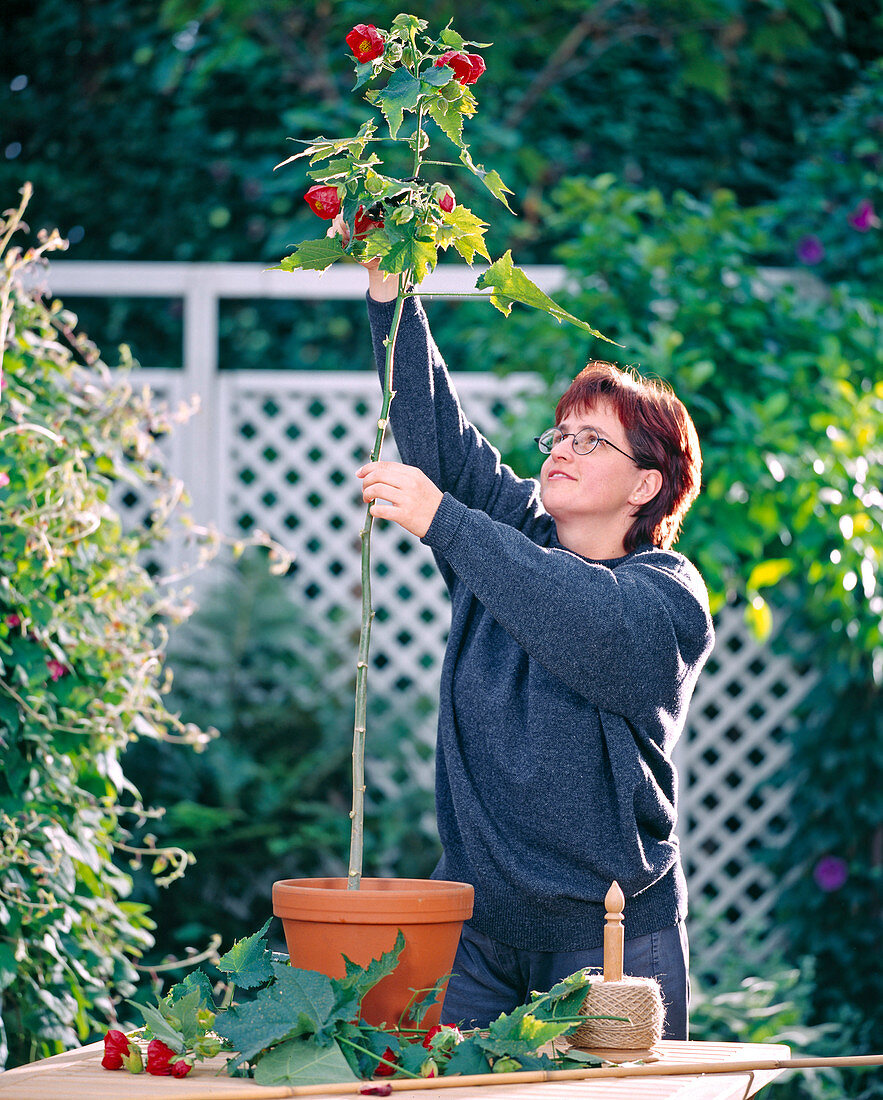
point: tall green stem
(357, 814)
(418, 140)
(418, 135)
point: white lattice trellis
(732, 806)
(136, 502)
(295, 444)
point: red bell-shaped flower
(467, 67)
(323, 200)
(366, 42)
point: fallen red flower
(116, 1045)
(163, 1062)
(383, 1068)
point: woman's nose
(564, 446)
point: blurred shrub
(81, 664)
(775, 1008)
(832, 209)
(662, 93)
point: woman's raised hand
(381, 287)
(401, 493)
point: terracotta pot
(324, 921)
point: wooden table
(78, 1076)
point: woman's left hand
(401, 493)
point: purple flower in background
(830, 873)
(56, 669)
(810, 250)
(863, 217)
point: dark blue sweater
(564, 687)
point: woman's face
(596, 487)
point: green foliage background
(674, 156)
(180, 108)
(150, 130)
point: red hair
(661, 436)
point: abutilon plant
(402, 224)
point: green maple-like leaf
(341, 168)
(185, 1009)
(321, 148)
(300, 1062)
(309, 995)
(313, 255)
(249, 961)
(407, 24)
(364, 72)
(509, 284)
(436, 76)
(411, 1057)
(491, 179)
(583, 1057)
(298, 1003)
(449, 37)
(495, 185)
(461, 228)
(565, 998)
(410, 254)
(448, 116)
(196, 979)
(346, 1007)
(468, 1057)
(165, 1030)
(401, 94)
(423, 1001)
(359, 979)
(521, 1033)
(380, 186)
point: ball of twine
(637, 999)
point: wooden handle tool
(614, 935)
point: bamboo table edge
(589, 1073)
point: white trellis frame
(277, 450)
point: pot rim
(406, 901)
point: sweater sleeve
(432, 431)
(602, 630)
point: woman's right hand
(381, 287)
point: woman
(576, 639)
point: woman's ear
(647, 487)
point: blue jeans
(490, 977)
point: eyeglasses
(584, 442)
